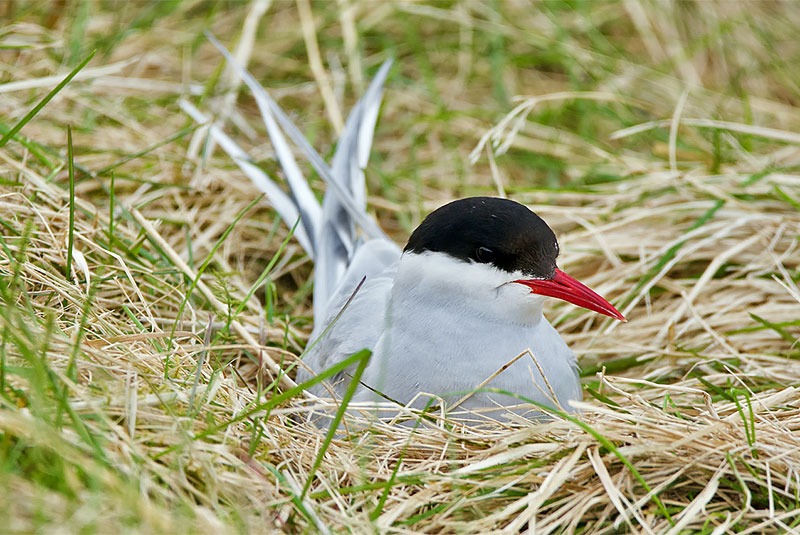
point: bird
(454, 318)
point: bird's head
(508, 238)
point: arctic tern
(458, 309)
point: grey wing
(361, 323)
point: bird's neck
(443, 287)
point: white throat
(461, 289)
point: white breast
(450, 325)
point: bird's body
(429, 345)
(459, 308)
(443, 326)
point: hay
(123, 412)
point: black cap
(489, 230)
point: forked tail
(329, 233)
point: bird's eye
(484, 255)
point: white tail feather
(282, 203)
(329, 233)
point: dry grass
(664, 151)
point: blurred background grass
(459, 68)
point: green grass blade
(71, 230)
(606, 443)
(362, 357)
(42, 103)
(201, 270)
(279, 399)
(147, 150)
(670, 254)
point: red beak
(564, 287)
